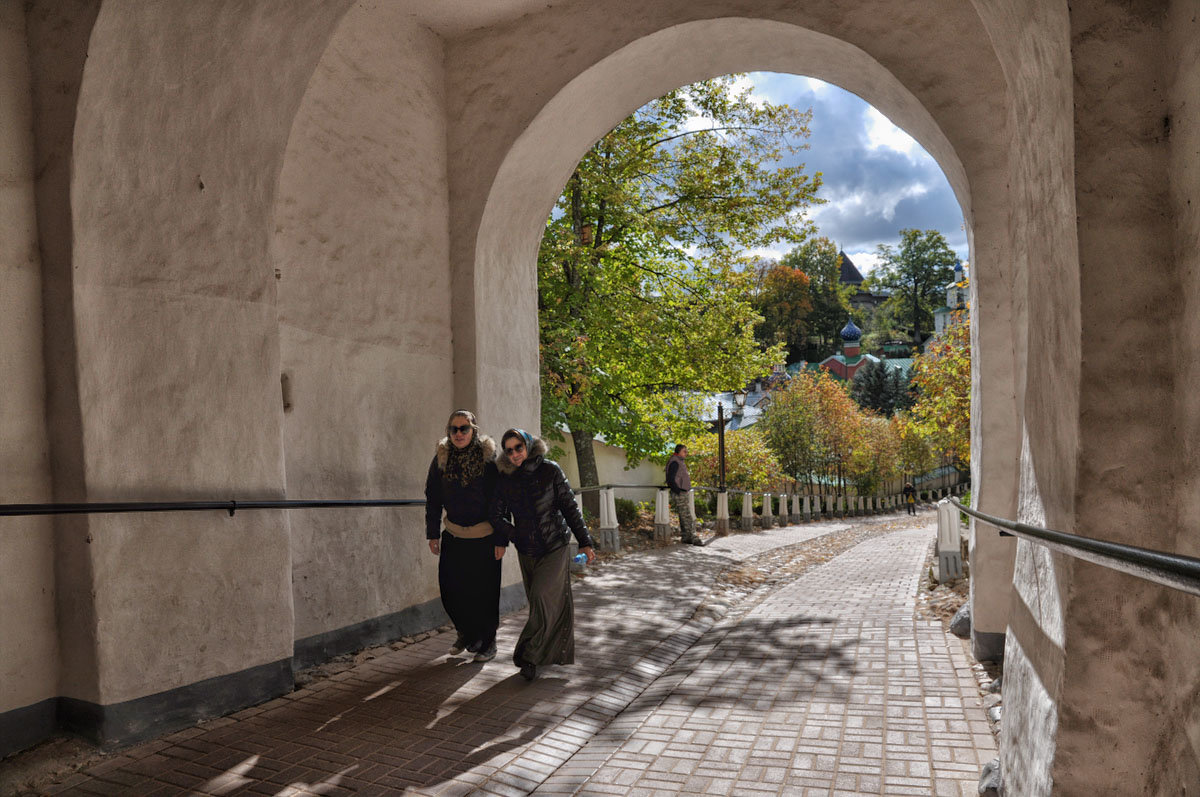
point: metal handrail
(1169, 569)
(231, 506)
(704, 487)
(618, 487)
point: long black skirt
(549, 633)
(469, 579)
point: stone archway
(543, 152)
(170, 146)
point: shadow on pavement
(411, 725)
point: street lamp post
(721, 447)
(722, 496)
(739, 399)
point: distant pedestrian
(534, 508)
(679, 482)
(462, 481)
(910, 498)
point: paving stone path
(825, 685)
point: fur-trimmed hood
(537, 450)
(443, 450)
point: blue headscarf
(521, 433)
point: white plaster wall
(1034, 651)
(365, 298)
(611, 464)
(28, 634)
(1178, 755)
(182, 121)
(1128, 453)
(1037, 441)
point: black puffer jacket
(465, 505)
(534, 506)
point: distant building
(850, 275)
(845, 365)
(956, 307)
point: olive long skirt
(469, 580)
(549, 633)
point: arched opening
(537, 165)
(498, 347)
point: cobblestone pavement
(823, 684)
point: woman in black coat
(533, 509)
(462, 481)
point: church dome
(850, 332)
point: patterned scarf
(464, 465)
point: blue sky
(876, 179)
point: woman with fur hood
(462, 481)
(534, 508)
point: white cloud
(815, 86)
(866, 261)
(759, 96)
(867, 203)
(769, 253)
(882, 134)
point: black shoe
(475, 647)
(459, 645)
(529, 671)
(487, 654)
(698, 542)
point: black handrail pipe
(19, 510)
(1169, 569)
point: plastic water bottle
(579, 558)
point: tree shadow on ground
(410, 726)
(784, 659)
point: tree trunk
(589, 476)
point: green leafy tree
(942, 377)
(881, 328)
(881, 389)
(643, 299)
(916, 275)
(791, 428)
(810, 425)
(821, 437)
(784, 301)
(819, 259)
(749, 462)
(917, 454)
(876, 455)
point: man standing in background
(679, 481)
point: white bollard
(797, 510)
(747, 512)
(949, 549)
(610, 533)
(662, 515)
(806, 507)
(768, 517)
(722, 513)
(861, 509)
(692, 504)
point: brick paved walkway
(826, 685)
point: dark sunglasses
(459, 429)
(514, 449)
